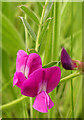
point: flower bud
(70, 64)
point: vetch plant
(44, 36)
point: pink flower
(25, 65)
(39, 84)
(34, 80)
(70, 64)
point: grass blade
(48, 47)
(56, 30)
(71, 57)
(56, 45)
(11, 40)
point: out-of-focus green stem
(26, 42)
(56, 30)
(56, 41)
(26, 35)
(73, 75)
(71, 57)
(13, 102)
(31, 108)
(39, 29)
(24, 97)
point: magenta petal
(21, 60)
(66, 60)
(50, 104)
(52, 76)
(18, 79)
(41, 80)
(27, 63)
(31, 86)
(40, 103)
(34, 62)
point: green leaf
(40, 7)
(43, 31)
(11, 39)
(50, 64)
(43, 44)
(48, 8)
(48, 46)
(30, 13)
(26, 24)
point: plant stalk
(39, 29)
(31, 108)
(56, 45)
(26, 35)
(71, 57)
(56, 31)
(73, 75)
(26, 42)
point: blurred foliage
(13, 39)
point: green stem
(71, 57)
(13, 102)
(24, 97)
(56, 41)
(73, 75)
(25, 112)
(26, 35)
(26, 41)
(31, 108)
(26, 44)
(39, 30)
(72, 98)
(48, 47)
(56, 30)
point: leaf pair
(35, 18)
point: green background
(13, 39)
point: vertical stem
(48, 47)
(56, 41)
(82, 56)
(1, 59)
(24, 103)
(26, 42)
(71, 56)
(39, 30)
(26, 35)
(56, 30)
(25, 112)
(31, 108)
